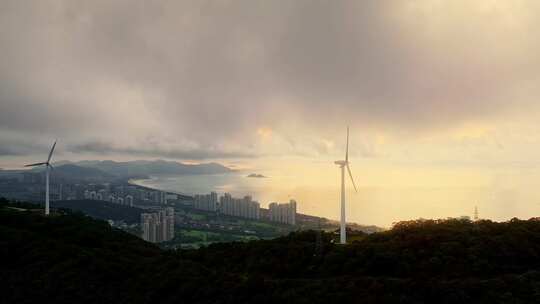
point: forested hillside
(103, 210)
(72, 258)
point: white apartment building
(283, 213)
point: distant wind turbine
(342, 164)
(48, 166)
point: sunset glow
(442, 97)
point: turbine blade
(352, 179)
(34, 165)
(50, 153)
(347, 148)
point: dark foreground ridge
(72, 258)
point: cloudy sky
(437, 93)
(427, 83)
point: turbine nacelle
(341, 163)
(46, 163)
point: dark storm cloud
(17, 147)
(15, 151)
(175, 153)
(208, 73)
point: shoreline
(133, 182)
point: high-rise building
(292, 212)
(158, 227)
(149, 225)
(169, 225)
(225, 204)
(154, 196)
(128, 200)
(241, 207)
(139, 194)
(146, 222)
(103, 193)
(162, 198)
(208, 202)
(283, 213)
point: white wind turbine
(342, 164)
(48, 166)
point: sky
(437, 93)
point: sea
(370, 205)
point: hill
(103, 210)
(73, 259)
(108, 170)
(71, 173)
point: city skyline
(441, 95)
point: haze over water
(379, 202)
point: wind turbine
(342, 164)
(48, 166)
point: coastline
(136, 182)
(304, 216)
(194, 185)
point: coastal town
(170, 219)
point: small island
(256, 175)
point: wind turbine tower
(342, 164)
(48, 167)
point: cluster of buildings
(245, 207)
(207, 202)
(241, 207)
(102, 195)
(121, 194)
(283, 213)
(158, 226)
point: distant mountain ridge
(74, 172)
(144, 167)
(69, 172)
